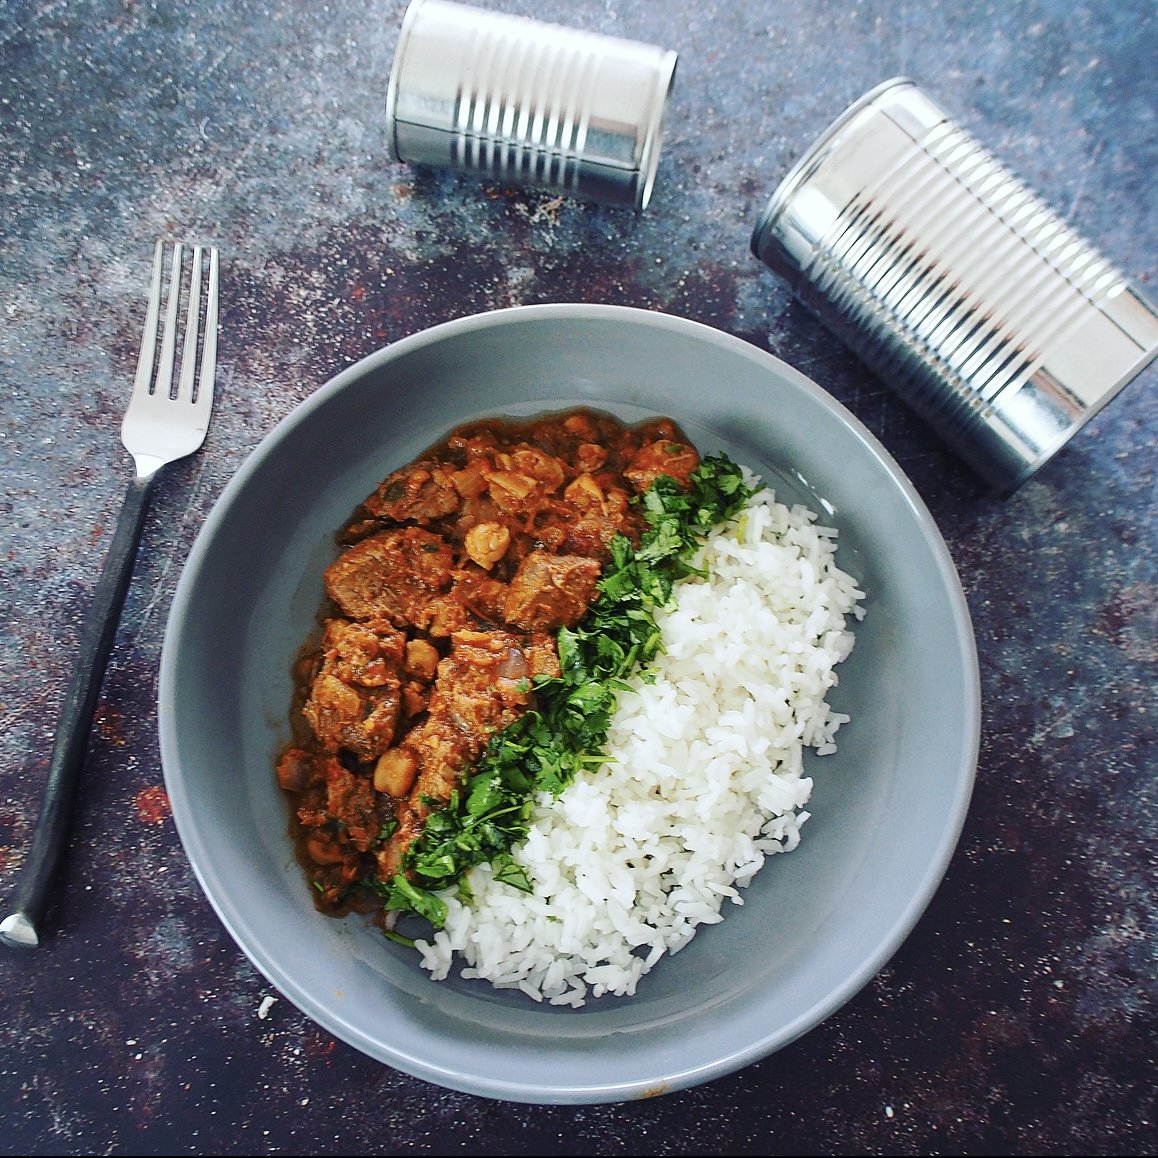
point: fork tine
(163, 382)
(209, 347)
(149, 341)
(192, 320)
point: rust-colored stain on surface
(110, 723)
(152, 805)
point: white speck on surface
(266, 1005)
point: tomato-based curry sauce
(442, 607)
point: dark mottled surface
(1020, 1016)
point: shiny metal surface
(528, 103)
(991, 317)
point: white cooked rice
(704, 775)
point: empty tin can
(993, 319)
(528, 103)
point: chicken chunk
(354, 699)
(551, 591)
(481, 686)
(420, 493)
(677, 460)
(396, 574)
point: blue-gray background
(1020, 1015)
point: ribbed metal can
(970, 297)
(528, 103)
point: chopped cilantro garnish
(545, 748)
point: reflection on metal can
(528, 103)
(992, 318)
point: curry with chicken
(443, 608)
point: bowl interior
(815, 925)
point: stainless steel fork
(160, 426)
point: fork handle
(50, 837)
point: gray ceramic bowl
(816, 925)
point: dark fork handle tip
(19, 932)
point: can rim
(653, 138)
(803, 168)
(404, 32)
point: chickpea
(323, 851)
(487, 543)
(421, 659)
(395, 772)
